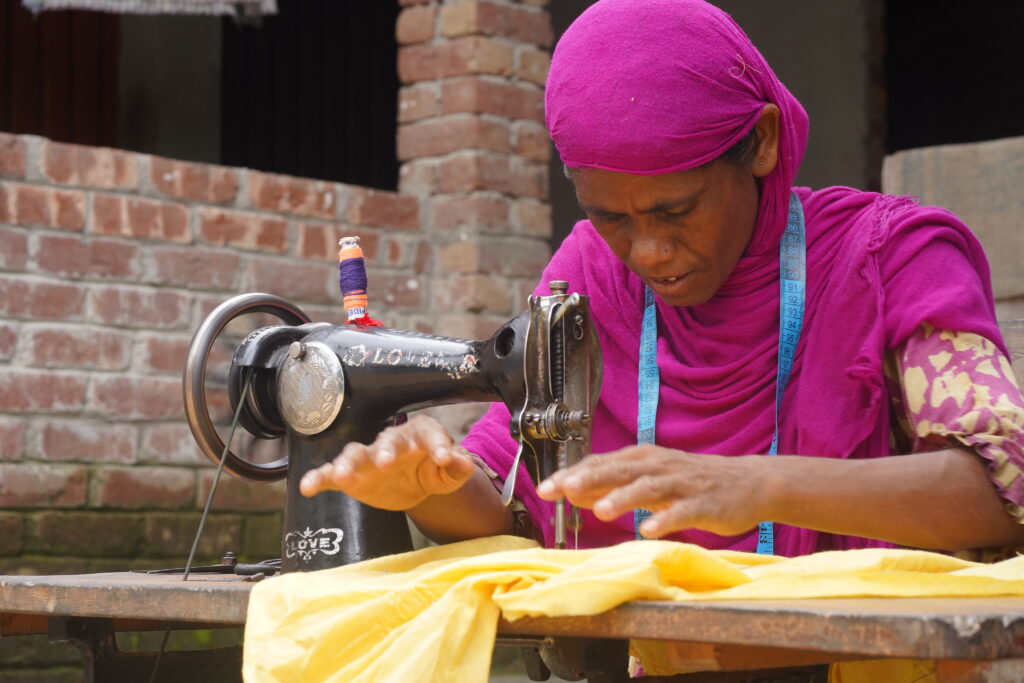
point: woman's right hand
(403, 466)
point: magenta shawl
(877, 267)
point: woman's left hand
(723, 495)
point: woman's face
(681, 233)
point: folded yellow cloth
(431, 615)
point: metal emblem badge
(311, 387)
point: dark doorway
(954, 71)
(313, 91)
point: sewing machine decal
(307, 543)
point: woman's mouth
(668, 285)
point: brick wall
(110, 259)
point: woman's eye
(676, 215)
(605, 218)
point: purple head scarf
(655, 86)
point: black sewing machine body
(320, 386)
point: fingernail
(546, 487)
(603, 507)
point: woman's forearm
(473, 511)
(942, 500)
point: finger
(588, 481)
(433, 439)
(651, 492)
(389, 446)
(312, 482)
(353, 461)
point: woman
(683, 146)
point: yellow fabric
(431, 615)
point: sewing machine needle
(510, 481)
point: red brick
(196, 267)
(319, 241)
(8, 340)
(170, 443)
(468, 325)
(418, 177)
(75, 257)
(532, 218)
(533, 65)
(26, 391)
(480, 94)
(143, 487)
(131, 398)
(381, 209)
(390, 291)
(243, 230)
(41, 485)
(317, 282)
(508, 257)
(87, 441)
(193, 181)
(43, 206)
(96, 167)
(41, 300)
(140, 218)
(469, 212)
(164, 354)
(473, 294)
(78, 347)
(435, 137)
(12, 439)
(299, 196)
(134, 307)
(470, 55)
(12, 155)
(12, 532)
(531, 141)
(417, 102)
(481, 171)
(171, 535)
(468, 17)
(335, 315)
(415, 25)
(424, 257)
(514, 258)
(394, 253)
(13, 249)
(262, 535)
(85, 534)
(237, 494)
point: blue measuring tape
(792, 291)
(649, 383)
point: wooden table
(974, 640)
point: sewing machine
(320, 386)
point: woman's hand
(723, 495)
(402, 467)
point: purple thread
(352, 276)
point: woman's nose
(650, 250)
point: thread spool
(352, 282)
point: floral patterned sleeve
(959, 388)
